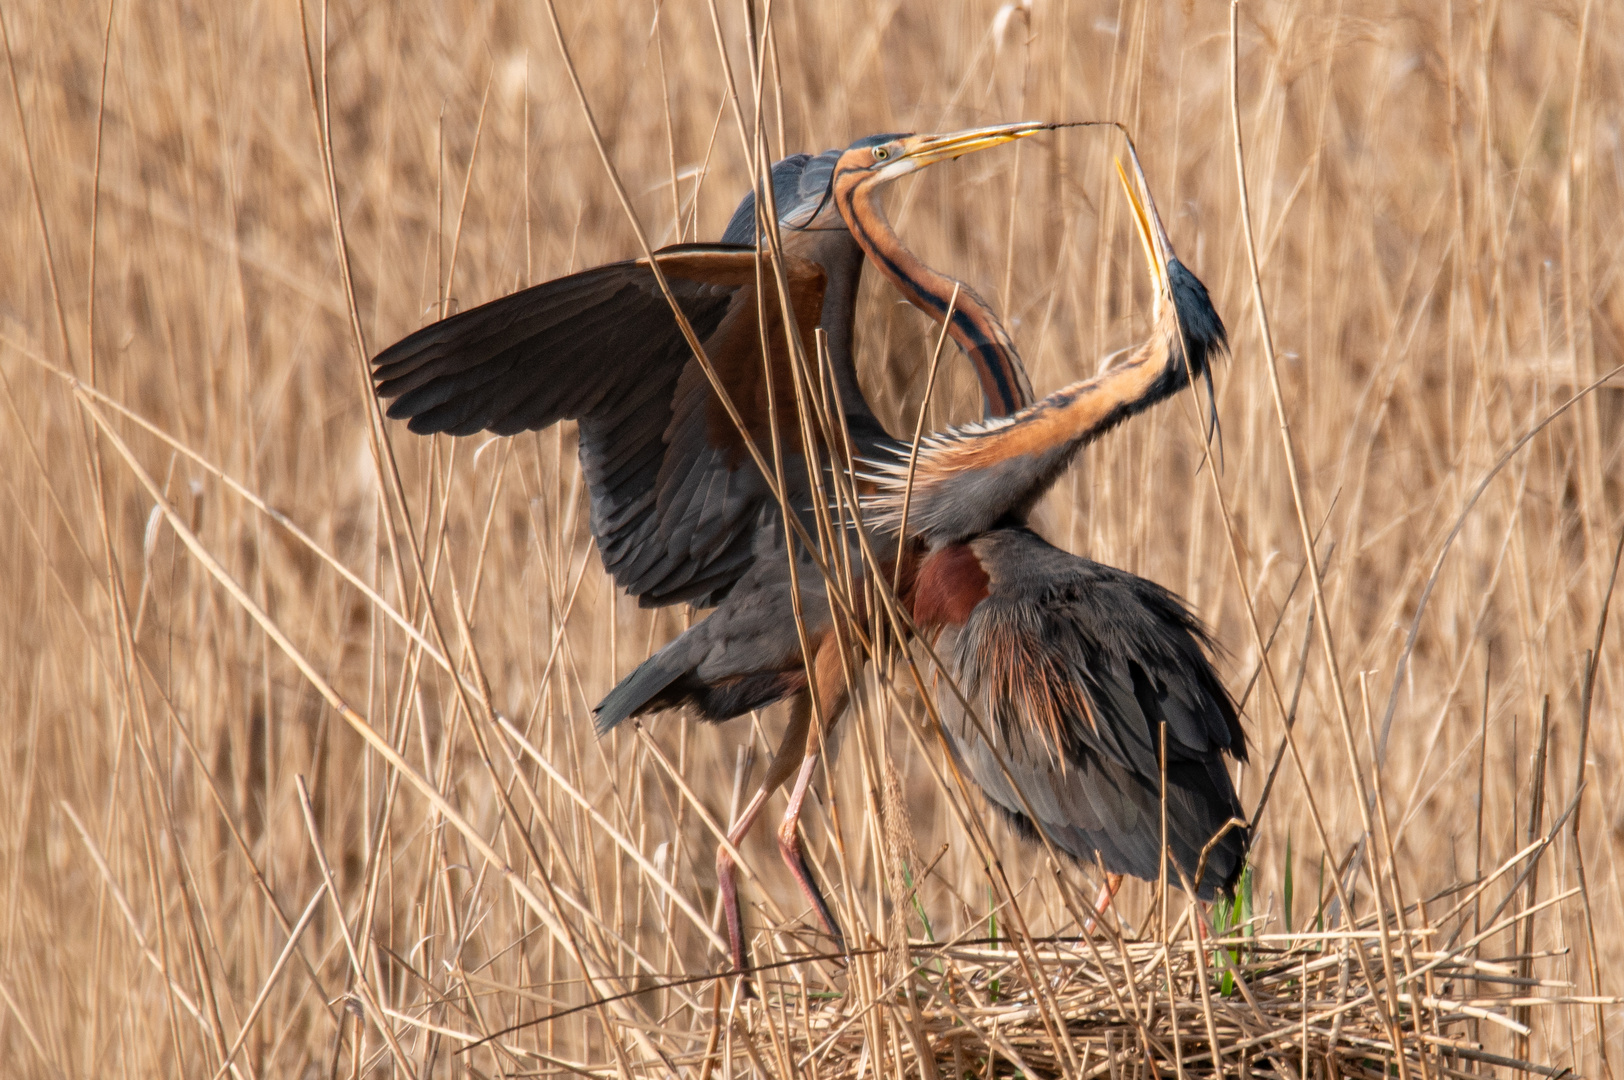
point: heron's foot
(789, 846)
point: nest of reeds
(1406, 994)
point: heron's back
(1073, 668)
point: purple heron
(679, 510)
(1078, 674)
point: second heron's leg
(790, 751)
(1107, 893)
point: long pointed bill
(920, 151)
(1159, 253)
(1164, 246)
(1152, 237)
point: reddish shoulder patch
(949, 586)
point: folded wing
(1073, 668)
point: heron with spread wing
(679, 509)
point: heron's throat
(973, 326)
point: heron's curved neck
(972, 477)
(842, 263)
(974, 327)
(1074, 415)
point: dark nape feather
(1204, 335)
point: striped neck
(969, 478)
(974, 327)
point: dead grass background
(1437, 195)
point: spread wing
(1073, 668)
(676, 497)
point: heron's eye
(881, 153)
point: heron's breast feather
(948, 587)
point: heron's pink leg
(790, 750)
(833, 693)
(1107, 893)
(789, 845)
(727, 878)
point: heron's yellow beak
(922, 150)
(1148, 224)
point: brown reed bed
(297, 776)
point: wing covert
(674, 493)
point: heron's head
(803, 191)
(874, 162)
(803, 184)
(1182, 310)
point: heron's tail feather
(659, 683)
(647, 688)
